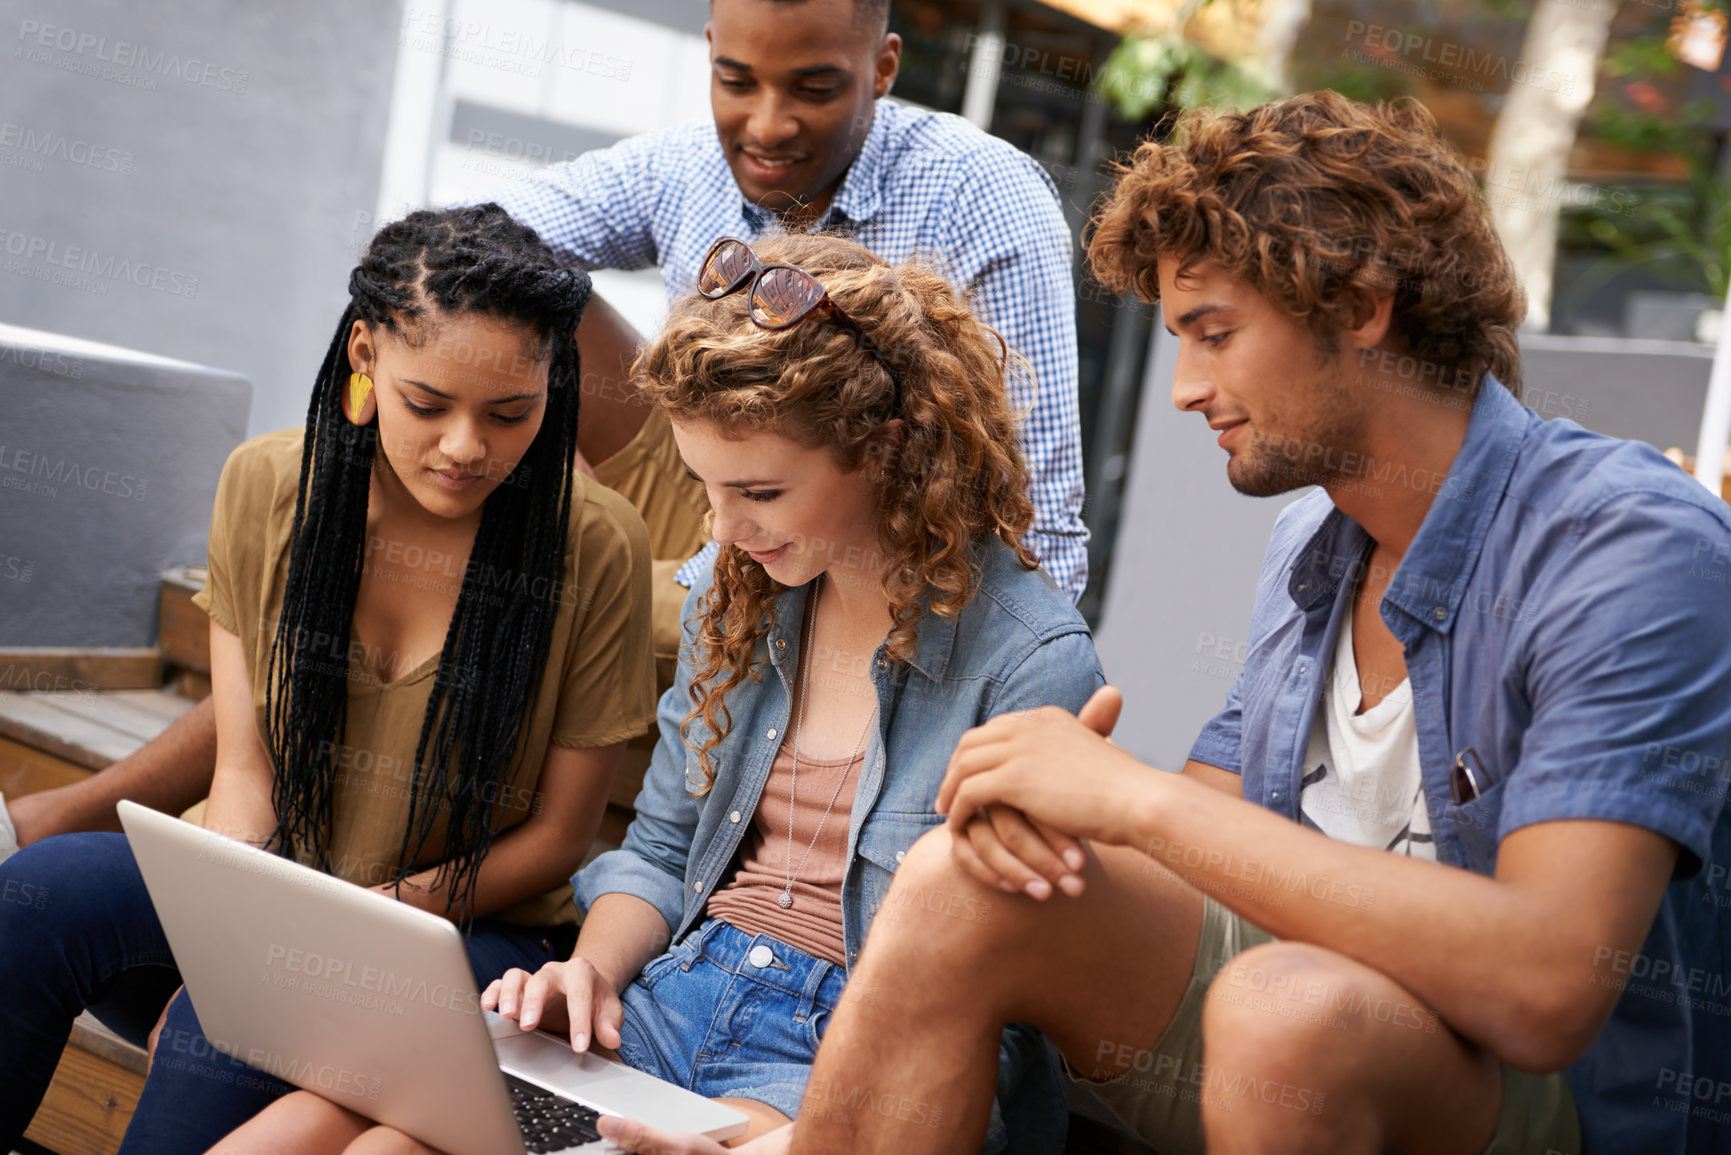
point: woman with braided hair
(429, 644)
(871, 601)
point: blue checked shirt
(927, 186)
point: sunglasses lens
(728, 263)
(783, 296)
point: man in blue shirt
(1446, 873)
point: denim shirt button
(901, 854)
(734, 817)
(771, 734)
(781, 643)
(1440, 613)
(883, 663)
(697, 885)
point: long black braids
(472, 259)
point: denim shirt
(1018, 643)
(1566, 615)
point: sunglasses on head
(781, 295)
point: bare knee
(1290, 1008)
(938, 918)
(935, 900)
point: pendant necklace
(785, 898)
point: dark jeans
(77, 930)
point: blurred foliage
(1677, 230)
(1680, 232)
(1369, 83)
(1157, 71)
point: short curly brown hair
(1307, 198)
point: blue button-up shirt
(1566, 614)
(925, 187)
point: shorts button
(760, 956)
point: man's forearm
(169, 773)
(613, 411)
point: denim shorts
(707, 1016)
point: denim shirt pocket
(883, 841)
(1476, 823)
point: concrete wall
(191, 177)
(1190, 548)
(108, 467)
(1648, 391)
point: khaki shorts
(1160, 1097)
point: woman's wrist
(607, 969)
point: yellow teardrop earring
(359, 404)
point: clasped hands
(1024, 790)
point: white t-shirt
(1361, 773)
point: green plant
(1160, 70)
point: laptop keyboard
(550, 1122)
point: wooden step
(55, 739)
(47, 669)
(93, 1095)
(183, 632)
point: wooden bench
(94, 1092)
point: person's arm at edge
(169, 773)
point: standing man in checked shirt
(803, 138)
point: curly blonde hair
(950, 472)
(1312, 197)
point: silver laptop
(371, 1004)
